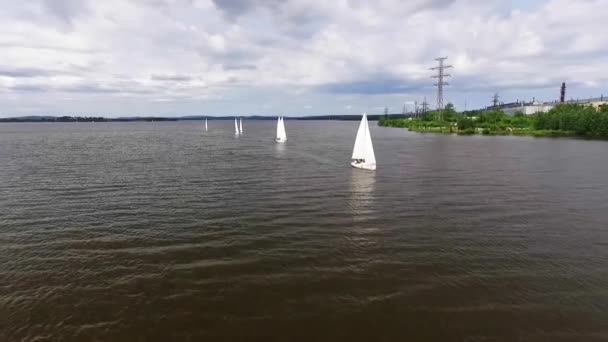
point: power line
(440, 80)
(425, 107)
(495, 100)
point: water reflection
(280, 148)
(361, 202)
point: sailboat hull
(363, 166)
(279, 140)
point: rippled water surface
(160, 232)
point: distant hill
(371, 117)
(43, 118)
(231, 117)
(33, 118)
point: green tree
(449, 113)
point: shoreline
(564, 120)
(486, 132)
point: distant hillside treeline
(371, 117)
(138, 118)
(79, 119)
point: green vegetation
(562, 120)
(582, 120)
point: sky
(292, 57)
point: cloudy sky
(293, 57)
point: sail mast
(370, 157)
(283, 132)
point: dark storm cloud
(412, 6)
(90, 88)
(42, 46)
(233, 8)
(174, 78)
(98, 89)
(234, 56)
(70, 69)
(66, 10)
(432, 4)
(374, 85)
(29, 88)
(239, 67)
(474, 83)
(24, 72)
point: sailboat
(363, 151)
(236, 127)
(281, 134)
(241, 128)
(205, 124)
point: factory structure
(533, 107)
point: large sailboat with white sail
(206, 128)
(236, 127)
(281, 133)
(241, 127)
(363, 152)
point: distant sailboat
(281, 134)
(363, 151)
(206, 125)
(236, 127)
(241, 128)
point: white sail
(236, 127)
(281, 133)
(278, 128)
(241, 128)
(363, 152)
(205, 124)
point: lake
(161, 232)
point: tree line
(577, 118)
(563, 119)
(80, 119)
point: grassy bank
(562, 121)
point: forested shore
(562, 120)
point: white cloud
(226, 56)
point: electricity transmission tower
(495, 100)
(440, 81)
(425, 107)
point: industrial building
(533, 107)
(527, 108)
